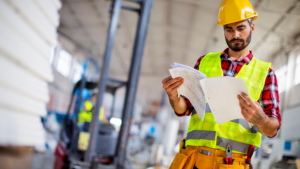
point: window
(64, 62)
(281, 78)
(297, 70)
(77, 72)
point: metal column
(112, 109)
(90, 153)
(132, 84)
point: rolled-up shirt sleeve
(269, 98)
(189, 109)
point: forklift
(106, 148)
(69, 153)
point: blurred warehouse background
(48, 46)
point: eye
(240, 29)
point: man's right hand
(171, 85)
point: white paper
(221, 94)
(191, 87)
(178, 65)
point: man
(207, 141)
(85, 114)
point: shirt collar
(245, 59)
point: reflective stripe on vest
(238, 133)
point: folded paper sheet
(191, 87)
(221, 94)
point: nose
(236, 34)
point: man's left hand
(251, 111)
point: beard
(237, 46)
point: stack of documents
(220, 92)
(191, 88)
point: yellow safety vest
(86, 116)
(237, 132)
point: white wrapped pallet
(28, 31)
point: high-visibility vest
(86, 114)
(238, 133)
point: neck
(238, 55)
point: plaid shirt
(269, 98)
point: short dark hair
(250, 20)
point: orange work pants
(206, 158)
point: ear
(252, 27)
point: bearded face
(238, 35)
(238, 44)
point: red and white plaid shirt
(269, 98)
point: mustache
(238, 39)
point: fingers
(244, 103)
(170, 87)
(171, 82)
(166, 79)
(176, 85)
(257, 103)
(247, 98)
(244, 111)
(252, 113)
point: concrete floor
(43, 161)
(46, 161)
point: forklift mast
(132, 83)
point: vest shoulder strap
(210, 65)
(263, 63)
(254, 75)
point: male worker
(86, 114)
(206, 140)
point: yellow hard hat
(88, 105)
(231, 11)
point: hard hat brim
(254, 18)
